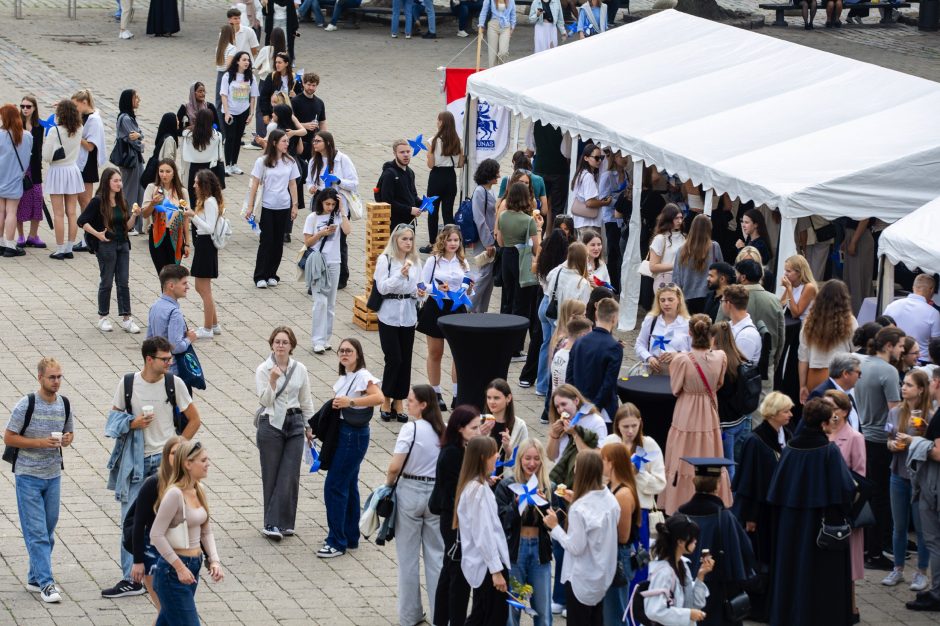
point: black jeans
(344, 262)
(530, 369)
(442, 182)
(518, 299)
(114, 266)
(453, 592)
(273, 224)
(489, 606)
(614, 254)
(581, 613)
(233, 137)
(878, 470)
(397, 346)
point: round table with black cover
(653, 396)
(482, 345)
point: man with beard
(720, 275)
(397, 185)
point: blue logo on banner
(486, 127)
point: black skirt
(90, 172)
(430, 313)
(205, 257)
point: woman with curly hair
(827, 331)
(63, 180)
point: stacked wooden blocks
(378, 220)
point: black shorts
(90, 171)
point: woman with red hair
(15, 148)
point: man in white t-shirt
(734, 303)
(245, 37)
(149, 389)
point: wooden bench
(790, 9)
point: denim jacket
(506, 17)
(126, 465)
(558, 16)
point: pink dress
(851, 444)
(695, 431)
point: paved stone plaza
(376, 89)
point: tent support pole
(629, 269)
(885, 284)
(468, 123)
(786, 246)
(572, 168)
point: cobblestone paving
(376, 89)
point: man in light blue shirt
(165, 318)
(916, 316)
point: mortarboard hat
(708, 466)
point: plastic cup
(147, 410)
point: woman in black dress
(163, 19)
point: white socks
(437, 388)
(68, 247)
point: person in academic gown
(163, 18)
(721, 534)
(760, 454)
(812, 485)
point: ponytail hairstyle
(677, 528)
(479, 451)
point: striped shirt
(47, 418)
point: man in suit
(594, 361)
(844, 370)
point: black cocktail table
(653, 396)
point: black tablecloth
(482, 345)
(787, 373)
(653, 396)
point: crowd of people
(718, 521)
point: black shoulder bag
(551, 311)
(302, 263)
(376, 298)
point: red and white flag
(493, 122)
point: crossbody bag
(27, 180)
(385, 506)
(261, 409)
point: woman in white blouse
(413, 469)
(396, 277)
(594, 243)
(286, 404)
(484, 552)
(570, 280)
(92, 155)
(665, 331)
(210, 206)
(322, 230)
(667, 240)
(585, 190)
(201, 148)
(680, 597)
(446, 270)
(63, 180)
(328, 161)
(590, 540)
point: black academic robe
(809, 586)
(760, 454)
(720, 532)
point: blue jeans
(731, 440)
(615, 601)
(527, 569)
(464, 11)
(545, 368)
(409, 15)
(37, 500)
(151, 465)
(308, 6)
(341, 487)
(644, 539)
(177, 601)
(558, 588)
(902, 510)
(342, 5)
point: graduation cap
(708, 466)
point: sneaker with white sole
(329, 552)
(272, 282)
(126, 34)
(319, 349)
(893, 578)
(919, 582)
(462, 33)
(557, 608)
(261, 284)
(228, 170)
(204, 333)
(287, 532)
(272, 532)
(49, 593)
(130, 327)
(330, 27)
(252, 146)
(237, 170)
(33, 586)
(216, 329)
(105, 325)
(124, 589)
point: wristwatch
(352, 402)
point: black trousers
(878, 470)
(581, 614)
(518, 300)
(556, 186)
(273, 225)
(614, 255)
(489, 606)
(442, 182)
(397, 346)
(233, 137)
(453, 592)
(530, 369)
(344, 264)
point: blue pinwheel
(315, 458)
(328, 177)
(299, 78)
(639, 459)
(572, 28)
(253, 224)
(584, 410)
(600, 283)
(511, 461)
(439, 296)
(427, 204)
(48, 123)
(660, 342)
(517, 603)
(621, 188)
(417, 145)
(215, 127)
(460, 298)
(528, 494)
(167, 208)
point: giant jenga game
(378, 220)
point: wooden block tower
(378, 220)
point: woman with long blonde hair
(827, 330)
(799, 286)
(183, 502)
(665, 331)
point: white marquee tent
(805, 131)
(913, 240)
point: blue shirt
(584, 24)
(166, 320)
(506, 17)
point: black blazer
(593, 367)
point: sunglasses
(26, 106)
(197, 446)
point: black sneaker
(124, 589)
(525, 384)
(426, 249)
(329, 552)
(453, 403)
(286, 237)
(80, 247)
(879, 563)
(429, 35)
(440, 402)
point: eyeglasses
(345, 351)
(166, 359)
(26, 106)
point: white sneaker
(557, 609)
(261, 284)
(126, 34)
(330, 27)
(919, 583)
(462, 33)
(237, 170)
(228, 170)
(394, 35)
(318, 349)
(129, 326)
(133, 233)
(204, 333)
(893, 578)
(216, 329)
(272, 282)
(49, 593)
(104, 325)
(251, 146)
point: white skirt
(63, 180)
(546, 36)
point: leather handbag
(579, 208)
(551, 311)
(376, 298)
(834, 537)
(738, 606)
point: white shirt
(154, 394)
(423, 458)
(747, 339)
(239, 93)
(354, 384)
(482, 540)
(388, 280)
(206, 219)
(567, 284)
(560, 367)
(586, 189)
(675, 334)
(450, 271)
(275, 191)
(590, 545)
(600, 272)
(245, 39)
(212, 153)
(93, 132)
(314, 224)
(343, 169)
(295, 394)
(666, 246)
(918, 319)
(593, 422)
(651, 479)
(683, 598)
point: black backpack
(746, 396)
(10, 453)
(180, 421)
